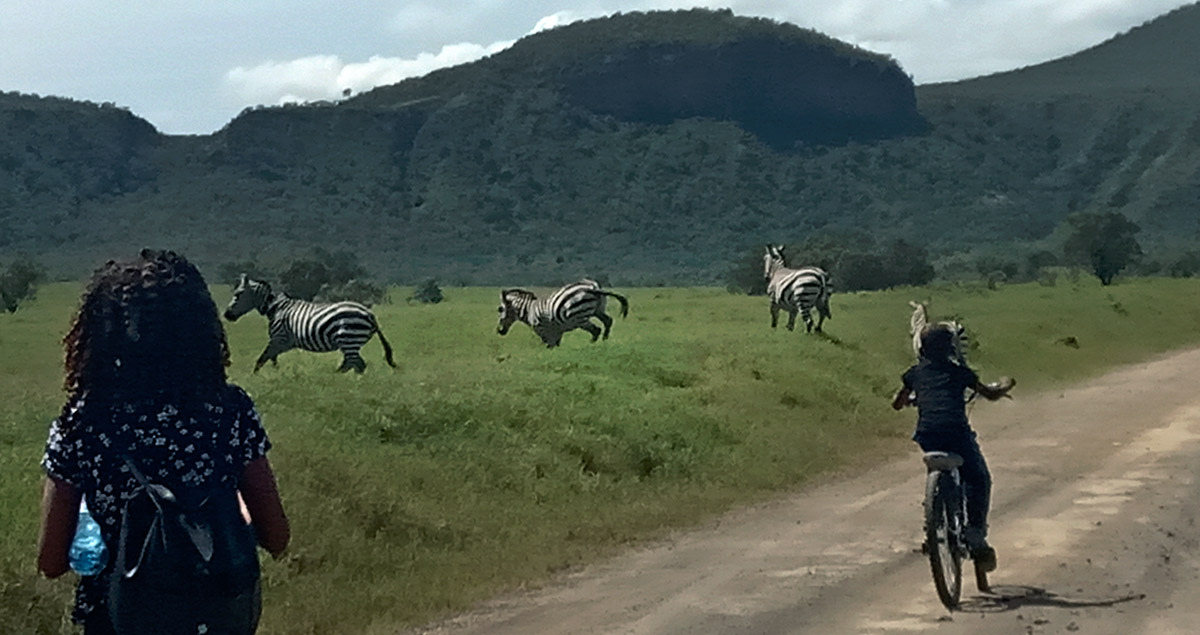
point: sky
(188, 67)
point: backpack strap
(158, 493)
(199, 534)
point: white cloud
(934, 40)
(326, 76)
(558, 19)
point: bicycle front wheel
(942, 528)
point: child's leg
(978, 483)
(977, 480)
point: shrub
(427, 292)
(19, 283)
(746, 274)
(854, 263)
(1038, 261)
(361, 291)
(305, 279)
(1185, 266)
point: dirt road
(1094, 519)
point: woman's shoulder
(235, 397)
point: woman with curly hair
(145, 380)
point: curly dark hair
(146, 328)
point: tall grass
(486, 463)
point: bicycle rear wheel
(942, 530)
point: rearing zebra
(311, 326)
(919, 324)
(796, 290)
(571, 307)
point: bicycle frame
(945, 523)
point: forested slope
(647, 148)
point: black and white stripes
(796, 290)
(311, 326)
(569, 308)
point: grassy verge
(485, 463)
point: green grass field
(485, 463)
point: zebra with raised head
(919, 324)
(312, 326)
(796, 290)
(571, 307)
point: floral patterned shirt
(204, 444)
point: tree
(1104, 242)
(19, 283)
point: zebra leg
(806, 314)
(820, 321)
(593, 329)
(274, 348)
(774, 315)
(791, 325)
(607, 321)
(352, 360)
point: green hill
(648, 148)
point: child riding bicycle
(936, 385)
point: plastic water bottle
(88, 554)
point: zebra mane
(504, 293)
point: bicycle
(945, 522)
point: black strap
(141, 478)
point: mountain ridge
(480, 175)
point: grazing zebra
(311, 326)
(571, 307)
(796, 290)
(919, 324)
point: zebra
(311, 326)
(919, 324)
(796, 290)
(571, 307)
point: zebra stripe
(568, 308)
(312, 326)
(796, 290)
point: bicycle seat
(938, 461)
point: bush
(854, 263)
(746, 275)
(896, 264)
(1185, 266)
(1038, 261)
(305, 279)
(19, 283)
(427, 292)
(992, 268)
(360, 291)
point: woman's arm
(261, 496)
(904, 397)
(60, 513)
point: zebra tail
(620, 298)
(387, 348)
